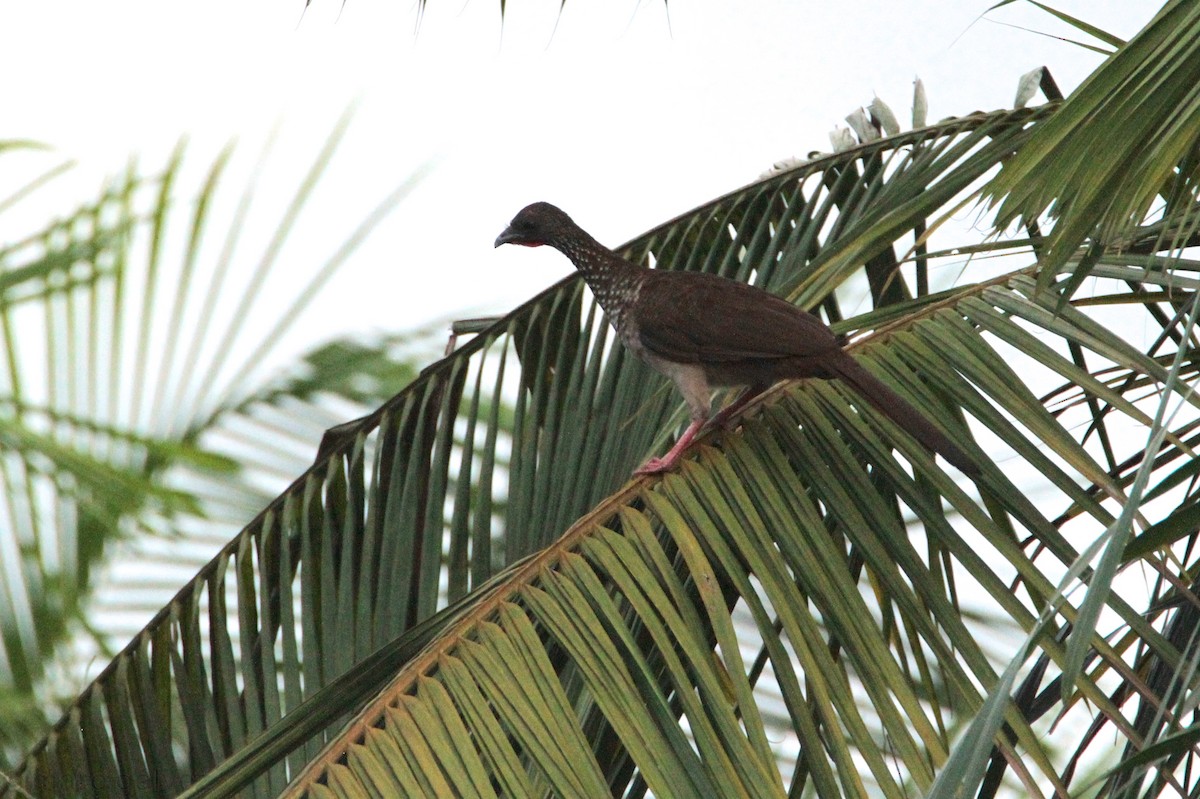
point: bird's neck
(613, 280)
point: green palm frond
(106, 438)
(1120, 154)
(336, 379)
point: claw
(655, 466)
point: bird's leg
(694, 387)
(699, 414)
(749, 393)
(667, 462)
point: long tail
(874, 391)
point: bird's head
(535, 225)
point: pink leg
(667, 462)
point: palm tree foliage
(1142, 111)
(118, 420)
(456, 599)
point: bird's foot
(668, 461)
(656, 466)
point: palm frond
(422, 560)
(1122, 151)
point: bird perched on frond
(704, 331)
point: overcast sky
(623, 113)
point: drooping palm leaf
(337, 379)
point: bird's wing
(701, 318)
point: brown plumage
(704, 331)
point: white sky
(625, 114)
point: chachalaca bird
(704, 331)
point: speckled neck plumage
(615, 281)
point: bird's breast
(630, 335)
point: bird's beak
(510, 236)
(506, 237)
